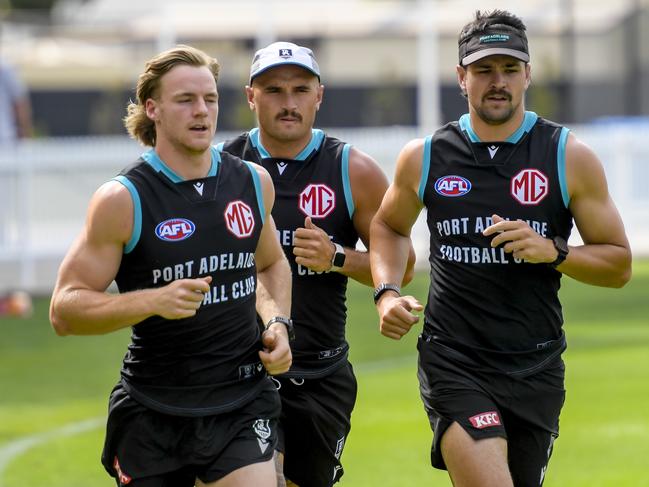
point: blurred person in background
(502, 187)
(327, 193)
(15, 107)
(187, 235)
(16, 304)
(15, 124)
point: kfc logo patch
(485, 420)
(239, 219)
(529, 186)
(317, 200)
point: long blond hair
(136, 121)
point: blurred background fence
(46, 184)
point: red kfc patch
(485, 420)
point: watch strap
(287, 322)
(562, 250)
(338, 259)
(382, 288)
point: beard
(495, 116)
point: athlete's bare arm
(314, 249)
(274, 286)
(391, 244)
(80, 304)
(605, 257)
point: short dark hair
(500, 20)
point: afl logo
(452, 186)
(239, 219)
(529, 186)
(317, 200)
(175, 229)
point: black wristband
(287, 322)
(382, 288)
(561, 246)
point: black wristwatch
(382, 288)
(288, 323)
(338, 259)
(562, 250)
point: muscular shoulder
(409, 164)
(367, 179)
(110, 212)
(584, 170)
(363, 169)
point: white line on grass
(21, 445)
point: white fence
(45, 185)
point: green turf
(47, 382)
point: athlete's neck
(493, 133)
(186, 164)
(283, 149)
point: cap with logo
(283, 53)
(491, 43)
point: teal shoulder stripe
(137, 213)
(258, 191)
(253, 135)
(425, 166)
(347, 187)
(219, 146)
(154, 161)
(465, 125)
(561, 165)
(317, 136)
(529, 120)
(216, 160)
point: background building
(388, 67)
(590, 58)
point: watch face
(339, 259)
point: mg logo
(317, 200)
(239, 219)
(485, 420)
(529, 186)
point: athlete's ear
(528, 75)
(250, 95)
(320, 95)
(461, 78)
(151, 109)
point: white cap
(283, 53)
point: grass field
(53, 394)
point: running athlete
(187, 235)
(502, 187)
(327, 193)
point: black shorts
(314, 424)
(146, 448)
(523, 410)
